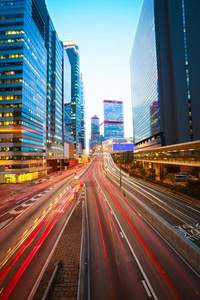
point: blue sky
(104, 31)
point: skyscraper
(22, 90)
(55, 145)
(95, 132)
(165, 72)
(34, 85)
(113, 119)
(72, 50)
(83, 133)
(66, 92)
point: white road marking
(193, 209)
(21, 200)
(13, 212)
(122, 235)
(146, 288)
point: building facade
(55, 145)
(72, 50)
(34, 86)
(83, 133)
(95, 132)
(113, 119)
(66, 93)
(165, 73)
(22, 91)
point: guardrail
(84, 271)
(176, 160)
(52, 279)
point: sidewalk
(68, 252)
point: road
(129, 259)
(181, 214)
(29, 238)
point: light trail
(22, 269)
(185, 219)
(145, 247)
(173, 263)
(128, 266)
(114, 295)
(62, 205)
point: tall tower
(83, 133)
(55, 146)
(113, 119)
(72, 50)
(165, 72)
(22, 90)
(95, 132)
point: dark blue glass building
(165, 73)
(34, 86)
(83, 133)
(22, 91)
(66, 92)
(113, 119)
(72, 50)
(55, 145)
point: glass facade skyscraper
(72, 50)
(35, 84)
(83, 134)
(113, 119)
(145, 76)
(165, 72)
(22, 90)
(54, 133)
(95, 132)
(66, 92)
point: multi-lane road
(128, 257)
(30, 227)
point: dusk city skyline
(99, 150)
(108, 43)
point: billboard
(123, 147)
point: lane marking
(146, 288)
(170, 212)
(18, 202)
(122, 235)
(193, 208)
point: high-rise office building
(32, 92)
(67, 137)
(55, 145)
(66, 92)
(72, 50)
(83, 133)
(22, 90)
(113, 119)
(95, 132)
(165, 72)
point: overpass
(185, 155)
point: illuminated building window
(11, 56)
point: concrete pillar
(157, 171)
(16, 178)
